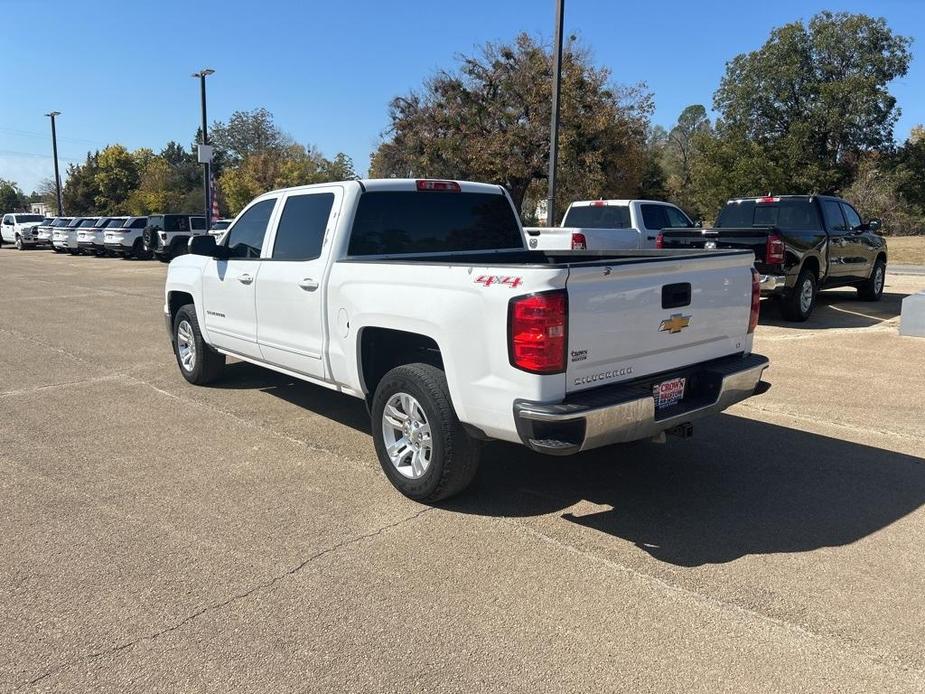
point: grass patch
(906, 250)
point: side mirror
(874, 225)
(698, 224)
(205, 245)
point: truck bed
(554, 259)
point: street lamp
(206, 161)
(554, 125)
(54, 150)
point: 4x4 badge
(675, 324)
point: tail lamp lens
(774, 251)
(756, 302)
(579, 243)
(538, 332)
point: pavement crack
(237, 597)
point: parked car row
(161, 236)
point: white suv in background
(125, 239)
(20, 229)
(64, 239)
(90, 238)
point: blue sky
(120, 71)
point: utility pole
(54, 150)
(554, 126)
(206, 164)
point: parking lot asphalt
(241, 537)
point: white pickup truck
(608, 225)
(421, 298)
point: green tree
(910, 168)
(82, 187)
(340, 168)
(876, 192)
(680, 153)
(247, 133)
(489, 121)
(812, 100)
(11, 197)
(116, 177)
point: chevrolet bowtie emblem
(675, 324)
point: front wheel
(798, 304)
(199, 363)
(421, 444)
(19, 245)
(872, 288)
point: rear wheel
(199, 363)
(872, 288)
(799, 303)
(421, 444)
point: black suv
(167, 235)
(802, 243)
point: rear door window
(197, 223)
(176, 222)
(598, 217)
(834, 219)
(654, 217)
(245, 238)
(300, 233)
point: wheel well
(880, 256)
(813, 264)
(175, 300)
(382, 349)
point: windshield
(783, 213)
(218, 226)
(432, 222)
(88, 222)
(594, 217)
(61, 222)
(76, 222)
(23, 218)
(116, 223)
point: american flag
(212, 196)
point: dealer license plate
(668, 393)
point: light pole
(54, 150)
(206, 187)
(554, 125)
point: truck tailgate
(630, 320)
(750, 239)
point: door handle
(245, 279)
(308, 284)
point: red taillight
(447, 186)
(537, 329)
(774, 250)
(756, 302)
(660, 240)
(579, 243)
(768, 200)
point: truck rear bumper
(626, 411)
(772, 284)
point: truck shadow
(837, 308)
(740, 487)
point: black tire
(872, 288)
(19, 243)
(454, 454)
(793, 306)
(138, 251)
(206, 364)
